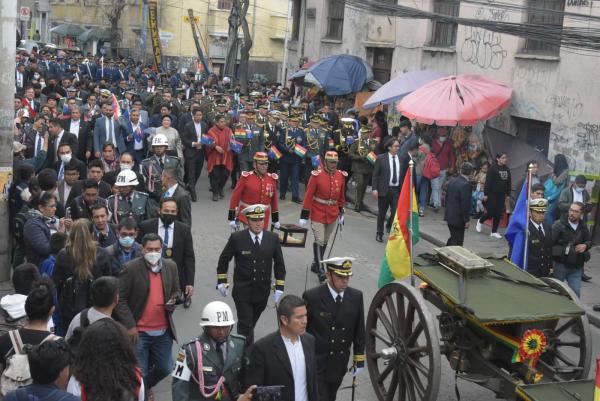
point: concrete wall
(562, 91)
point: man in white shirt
(386, 183)
(286, 358)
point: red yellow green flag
(396, 262)
(597, 386)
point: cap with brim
(275, 113)
(294, 118)
(347, 121)
(221, 103)
(331, 155)
(538, 205)
(104, 92)
(256, 211)
(263, 106)
(342, 266)
(71, 89)
(261, 157)
(316, 119)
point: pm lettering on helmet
(222, 317)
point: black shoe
(215, 196)
(585, 277)
(388, 229)
(193, 196)
(297, 200)
(221, 194)
(596, 307)
(188, 302)
(282, 197)
(379, 237)
(357, 208)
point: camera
(268, 393)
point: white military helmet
(160, 140)
(126, 178)
(217, 313)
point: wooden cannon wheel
(568, 355)
(402, 345)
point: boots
(315, 264)
(321, 272)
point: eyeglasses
(574, 211)
(51, 206)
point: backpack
(74, 297)
(431, 166)
(75, 338)
(17, 372)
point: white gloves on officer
(302, 222)
(277, 296)
(222, 288)
(357, 371)
(233, 224)
(277, 225)
(341, 219)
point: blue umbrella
(339, 75)
(401, 86)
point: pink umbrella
(456, 100)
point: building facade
(555, 88)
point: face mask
(473, 147)
(153, 258)
(442, 139)
(66, 158)
(25, 195)
(126, 242)
(126, 166)
(579, 190)
(167, 219)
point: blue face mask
(579, 190)
(126, 242)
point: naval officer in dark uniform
(539, 248)
(336, 320)
(257, 255)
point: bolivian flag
(396, 262)
(597, 386)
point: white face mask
(126, 166)
(153, 258)
(66, 158)
(442, 139)
(25, 195)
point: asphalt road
(210, 232)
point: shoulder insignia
(344, 173)
(273, 176)
(238, 337)
(174, 157)
(247, 173)
(315, 172)
(142, 194)
(190, 341)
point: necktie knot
(338, 299)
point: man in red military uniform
(254, 187)
(324, 202)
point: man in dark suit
(81, 206)
(257, 254)
(176, 192)
(95, 172)
(539, 248)
(135, 138)
(286, 357)
(336, 320)
(387, 184)
(192, 149)
(81, 129)
(59, 136)
(66, 182)
(178, 245)
(66, 158)
(107, 129)
(405, 158)
(458, 205)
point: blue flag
(515, 232)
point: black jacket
(497, 180)
(80, 210)
(382, 173)
(253, 268)
(458, 202)
(564, 236)
(183, 248)
(189, 135)
(104, 189)
(539, 251)
(270, 365)
(184, 205)
(335, 331)
(67, 137)
(84, 137)
(405, 158)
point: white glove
(357, 371)
(302, 222)
(222, 289)
(233, 224)
(276, 225)
(341, 219)
(277, 296)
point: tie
(338, 299)
(541, 231)
(161, 163)
(166, 238)
(256, 242)
(394, 173)
(111, 137)
(220, 353)
(38, 146)
(61, 172)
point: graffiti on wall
(587, 137)
(565, 106)
(484, 48)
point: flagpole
(529, 169)
(411, 166)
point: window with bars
(547, 13)
(444, 33)
(382, 64)
(224, 4)
(335, 19)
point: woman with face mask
(77, 265)
(38, 228)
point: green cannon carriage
(497, 325)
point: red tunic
(325, 195)
(252, 189)
(221, 138)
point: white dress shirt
(161, 233)
(170, 191)
(334, 293)
(198, 127)
(137, 145)
(252, 236)
(577, 196)
(538, 226)
(390, 159)
(74, 127)
(57, 141)
(296, 354)
(108, 123)
(39, 143)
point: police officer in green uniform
(263, 114)
(336, 320)
(362, 168)
(256, 143)
(343, 138)
(152, 167)
(317, 141)
(212, 365)
(129, 202)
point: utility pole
(285, 45)
(8, 42)
(232, 40)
